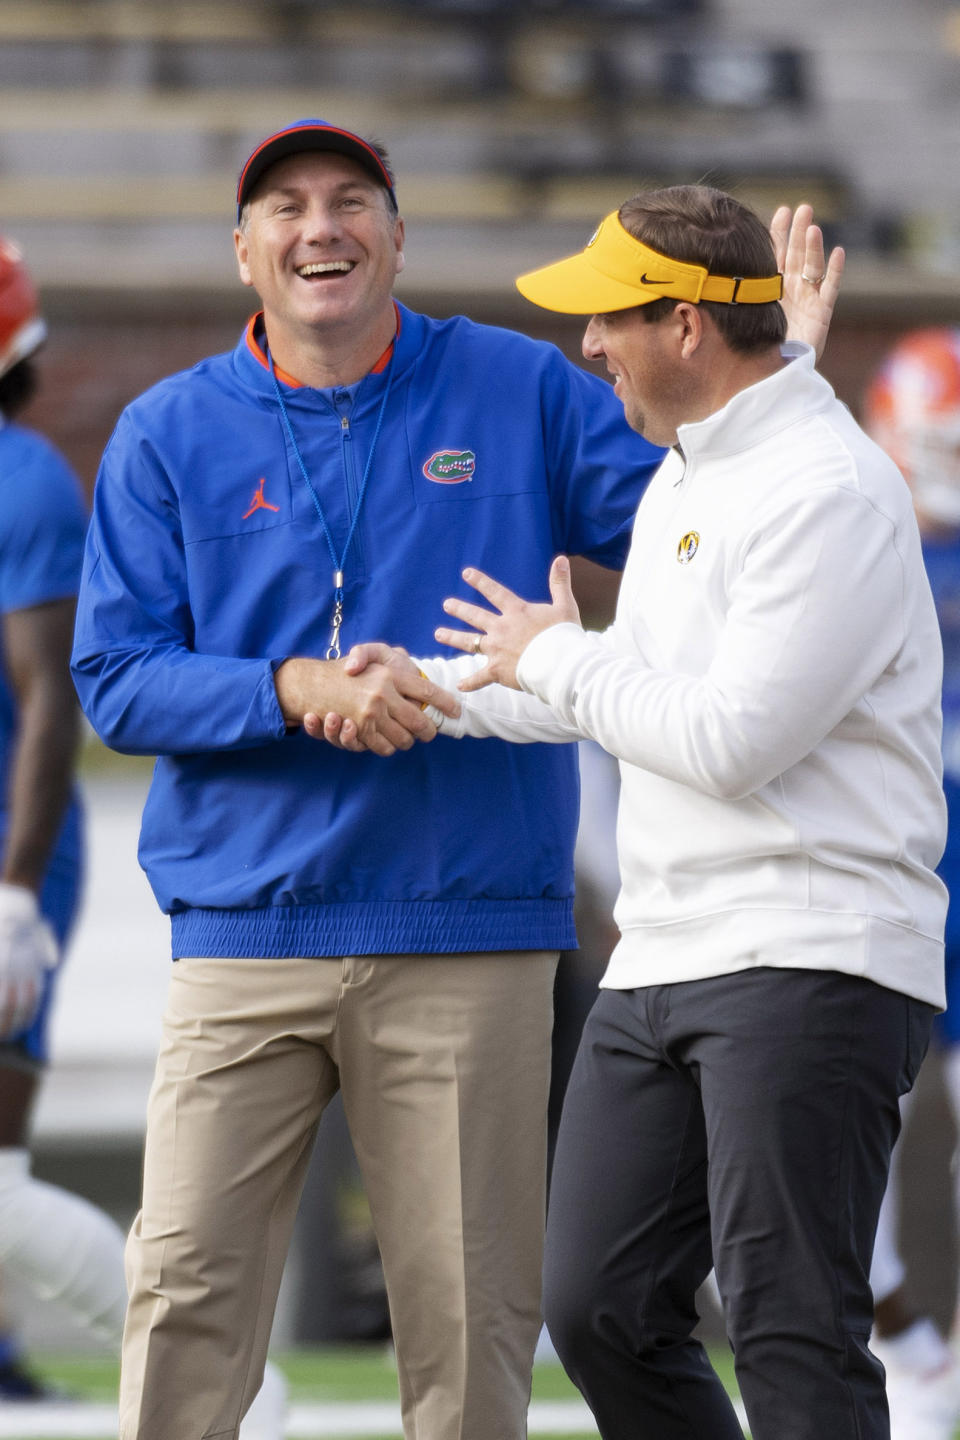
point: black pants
(744, 1122)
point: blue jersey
(208, 563)
(942, 559)
(42, 525)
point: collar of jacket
(254, 373)
(792, 393)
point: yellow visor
(615, 272)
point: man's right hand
(28, 948)
(382, 704)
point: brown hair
(703, 226)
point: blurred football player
(913, 410)
(56, 1244)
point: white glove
(28, 947)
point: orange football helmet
(912, 409)
(22, 328)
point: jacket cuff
(548, 666)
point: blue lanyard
(336, 620)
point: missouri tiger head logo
(450, 467)
(688, 547)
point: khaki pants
(444, 1065)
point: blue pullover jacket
(206, 566)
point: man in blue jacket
(387, 929)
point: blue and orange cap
(310, 135)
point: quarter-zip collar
(762, 410)
(253, 368)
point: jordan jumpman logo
(258, 502)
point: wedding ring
(477, 640)
(814, 279)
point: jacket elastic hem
(383, 927)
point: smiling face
(650, 366)
(322, 249)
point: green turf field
(352, 1376)
(348, 1375)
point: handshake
(373, 699)
(377, 699)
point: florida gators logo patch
(450, 467)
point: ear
(689, 319)
(398, 238)
(240, 246)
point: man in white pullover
(771, 687)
